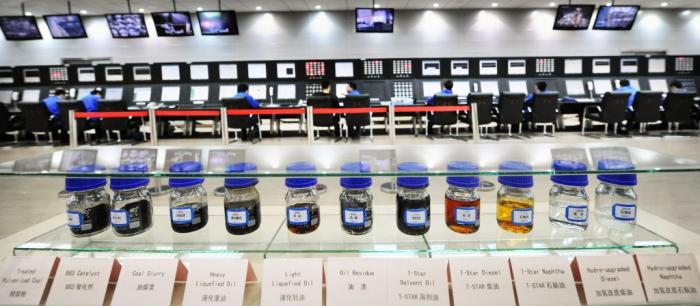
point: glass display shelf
(329, 239)
(271, 160)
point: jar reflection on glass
(515, 200)
(88, 204)
(412, 200)
(131, 211)
(303, 211)
(356, 200)
(462, 202)
(568, 201)
(189, 210)
(615, 197)
(242, 201)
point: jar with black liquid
(303, 211)
(132, 208)
(88, 203)
(356, 200)
(241, 201)
(462, 201)
(412, 200)
(188, 199)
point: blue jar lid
(355, 182)
(121, 183)
(463, 181)
(576, 180)
(617, 179)
(301, 182)
(185, 167)
(76, 184)
(516, 181)
(241, 182)
(412, 181)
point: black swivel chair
(510, 110)
(322, 120)
(484, 107)
(647, 108)
(612, 110)
(8, 123)
(444, 118)
(545, 106)
(37, 119)
(116, 125)
(83, 125)
(242, 122)
(358, 121)
(677, 109)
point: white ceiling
(97, 7)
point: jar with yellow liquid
(515, 202)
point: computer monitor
(172, 23)
(83, 92)
(602, 86)
(286, 92)
(6, 96)
(430, 88)
(341, 90)
(65, 26)
(114, 93)
(658, 85)
(31, 95)
(575, 88)
(142, 94)
(199, 72)
(227, 91)
(170, 94)
(461, 88)
(199, 93)
(490, 87)
(170, 72)
(517, 86)
(258, 91)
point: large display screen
(127, 25)
(218, 22)
(173, 24)
(618, 17)
(65, 26)
(573, 17)
(19, 28)
(369, 20)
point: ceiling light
(84, 12)
(199, 9)
(664, 4)
(685, 13)
(318, 7)
(552, 4)
(495, 4)
(27, 13)
(608, 4)
(257, 8)
(436, 5)
(141, 10)
(377, 5)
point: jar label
(577, 213)
(182, 215)
(75, 219)
(298, 216)
(415, 217)
(120, 218)
(237, 217)
(522, 216)
(624, 212)
(354, 216)
(465, 215)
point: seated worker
(354, 131)
(351, 90)
(675, 87)
(55, 123)
(242, 92)
(91, 102)
(446, 90)
(326, 92)
(626, 87)
(540, 87)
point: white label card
(80, 281)
(353, 282)
(297, 282)
(481, 281)
(417, 282)
(466, 215)
(182, 215)
(610, 280)
(670, 278)
(537, 277)
(145, 281)
(416, 217)
(217, 281)
(23, 279)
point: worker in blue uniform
(242, 93)
(354, 131)
(326, 92)
(625, 87)
(351, 90)
(446, 90)
(540, 87)
(55, 123)
(91, 103)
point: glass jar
(568, 201)
(188, 199)
(615, 198)
(515, 201)
(132, 208)
(303, 211)
(412, 200)
(356, 200)
(462, 201)
(242, 201)
(88, 203)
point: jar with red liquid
(462, 201)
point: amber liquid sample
(462, 225)
(304, 225)
(520, 208)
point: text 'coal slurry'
(148, 273)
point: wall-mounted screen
(6, 76)
(601, 65)
(601, 86)
(344, 70)
(114, 74)
(199, 93)
(258, 91)
(86, 74)
(170, 72)
(65, 26)
(257, 71)
(19, 27)
(657, 65)
(286, 92)
(459, 67)
(488, 67)
(142, 94)
(173, 23)
(431, 68)
(227, 91)
(58, 74)
(430, 88)
(629, 65)
(114, 93)
(372, 20)
(170, 94)
(228, 71)
(286, 71)
(402, 89)
(199, 72)
(516, 67)
(127, 25)
(517, 86)
(373, 68)
(218, 22)
(617, 17)
(573, 17)
(31, 95)
(315, 69)
(573, 66)
(142, 73)
(31, 75)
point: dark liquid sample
(355, 206)
(415, 207)
(452, 221)
(140, 218)
(307, 227)
(253, 209)
(200, 216)
(95, 220)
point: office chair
(612, 110)
(545, 106)
(677, 109)
(39, 122)
(242, 122)
(647, 108)
(9, 124)
(116, 125)
(484, 105)
(85, 126)
(445, 118)
(510, 110)
(358, 120)
(322, 120)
